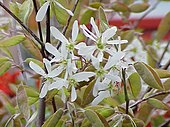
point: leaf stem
(125, 89)
(151, 96)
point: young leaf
(22, 101)
(53, 119)
(164, 27)
(148, 75)
(5, 67)
(135, 84)
(139, 7)
(103, 20)
(157, 104)
(120, 7)
(35, 61)
(93, 118)
(12, 41)
(3, 59)
(31, 92)
(163, 73)
(86, 16)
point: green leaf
(127, 35)
(96, 5)
(128, 123)
(22, 101)
(135, 84)
(148, 75)
(93, 118)
(12, 41)
(31, 92)
(3, 59)
(139, 7)
(25, 10)
(164, 27)
(120, 7)
(86, 16)
(53, 119)
(163, 73)
(6, 51)
(103, 20)
(157, 104)
(5, 67)
(32, 48)
(14, 7)
(28, 60)
(152, 56)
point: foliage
(79, 71)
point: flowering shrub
(91, 73)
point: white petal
(95, 62)
(112, 42)
(113, 60)
(80, 45)
(108, 34)
(83, 76)
(64, 51)
(1, 1)
(102, 95)
(73, 94)
(63, 96)
(42, 11)
(92, 22)
(95, 88)
(87, 50)
(51, 49)
(37, 68)
(75, 31)
(47, 64)
(100, 56)
(114, 78)
(58, 84)
(58, 35)
(68, 11)
(88, 33)
(44, 91)
(55, 72)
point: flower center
(100, 72)
(100, 46)
(70, 46)
(72, 81)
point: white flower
(1, 1)
(42, 11)
(73, 80)
(102, 40)
(70, 44)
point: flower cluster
(70, 65)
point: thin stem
(23, 25)
(54, 105)
(48, 25)
(151, 96)
(68, 22)
(125, 90)
(38, 23)
(165, 67)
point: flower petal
(55, 72)
(47, 64)
(112, 42)
(44, 91)
(58, 35)
(92, 22)
(51, 49)
(95, 62)
(95, 88)
(73, 94)
(102, 95)
(42, 11)
(100, 56)
(58, 84)
(108, 34)
(83, 76)
(75, 31)
(68, 11)
(37, 68)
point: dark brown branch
(38, 23)
(48, 25)
(68, 22)
(165, 67)
(151, 96)
(23, 25)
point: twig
(68, 22)
(145, 14)
(48, 25)
(38, 23)
(165, 50)
(151, 96)
(165, 67)
(125, 90)
(23, 25)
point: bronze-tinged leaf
(120, 7)
(139, 7)
(53, 119)
(148, 75)
(22, 101)
(32, 48)
(157, 104)
(164, 27)
(135, 84)
(12, 41)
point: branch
(38, 23)
(165, 50)
(125, 90)
(166, 65)
(68, 22)
(22, 24)
(167, 122)
(151, 96)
